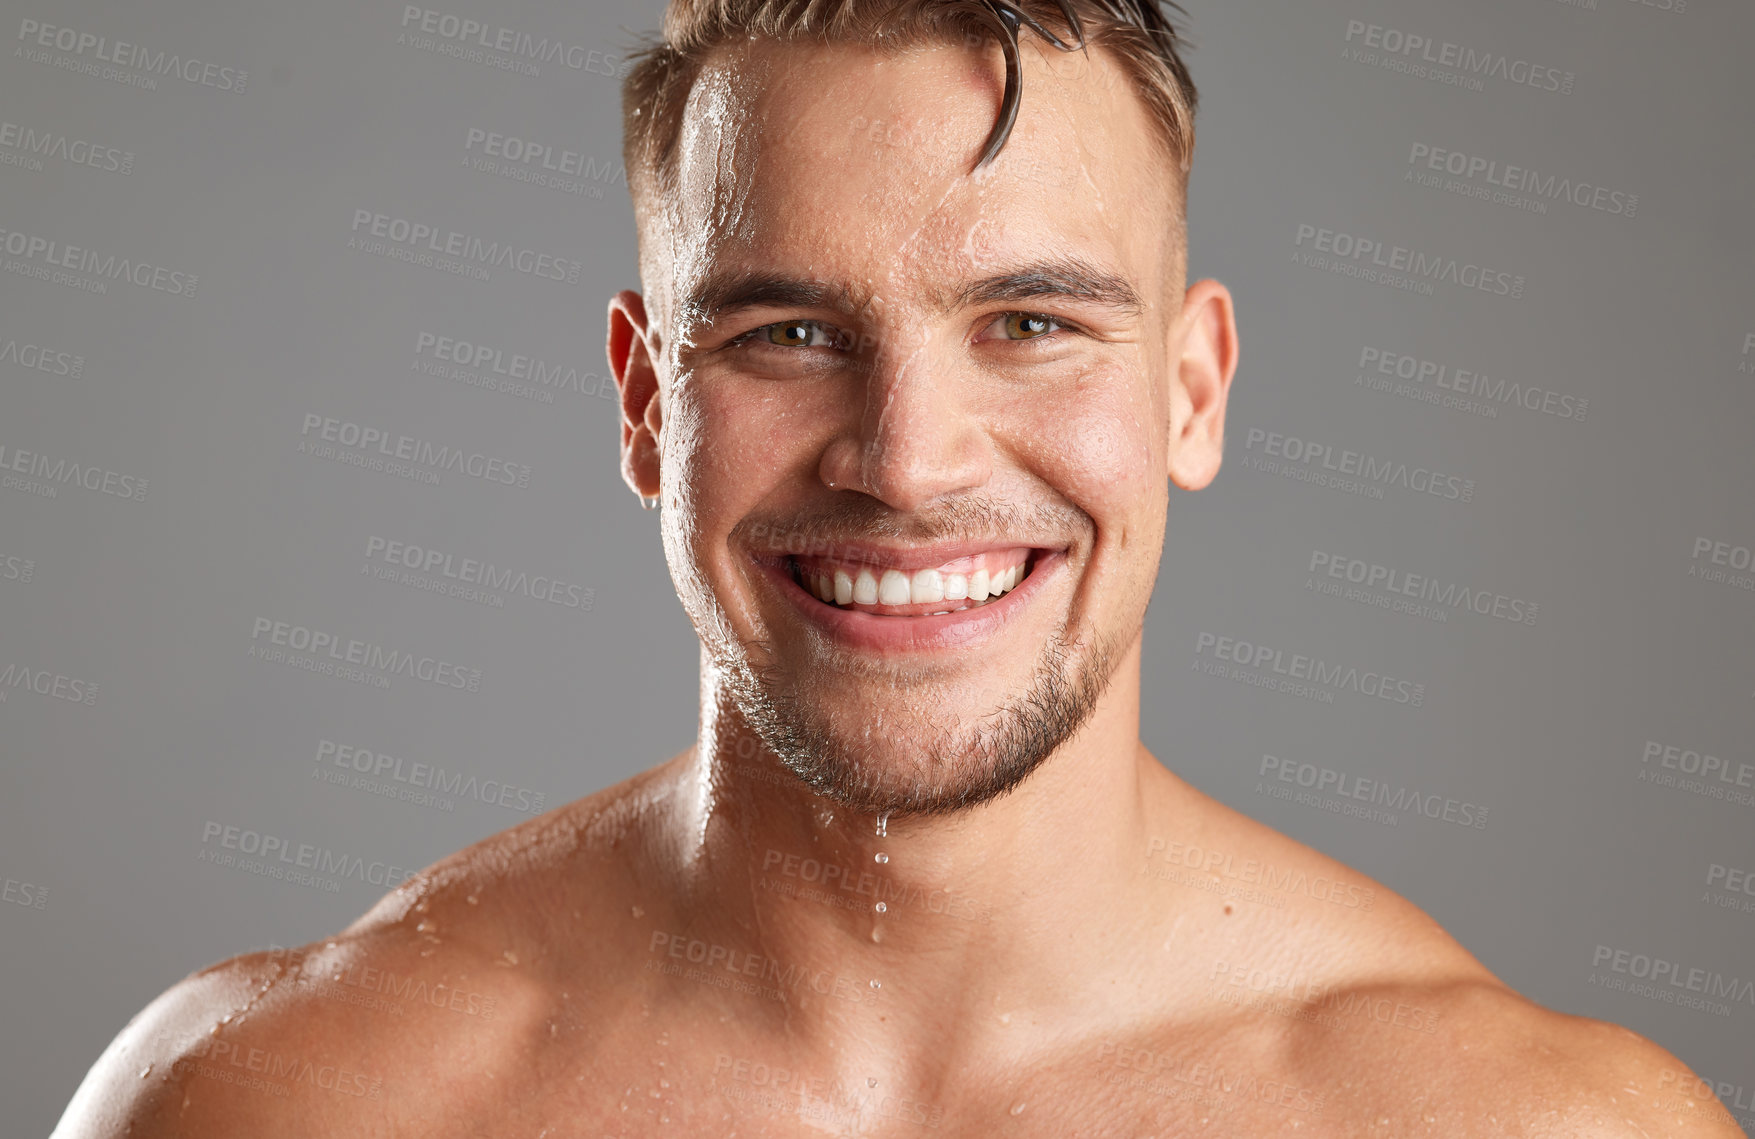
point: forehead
(843, 162)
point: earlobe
(636, 381)
(1206, 360)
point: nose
(914, 436)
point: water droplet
(1018, 1108)
(883, 824)
(880, 856)
(511, 958)
(472, 899)
(426, 926)
(638, 912)
(146, 1071)
(871, 1081)
(877, 984)
(881, 908)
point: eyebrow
(1067, 277)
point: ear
(1205, 346)
(630, 362)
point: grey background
(154, 600)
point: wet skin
(1105, 951)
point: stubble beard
(955, 763)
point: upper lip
(904, 558)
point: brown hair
(1137, 32)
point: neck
(1006, 901)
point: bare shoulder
(1484, 1060)
(1354, 998)
(452, 972)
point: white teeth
(865, 590)
(922, 587)
(893, 588)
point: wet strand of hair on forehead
(1006, 17)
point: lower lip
(874, 632)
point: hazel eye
(791, 334)
(1027, 326)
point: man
(914, 366)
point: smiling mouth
(964, 583)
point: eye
(796, 334)
(1026, 325)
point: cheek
(728, 445)
(1100, 444)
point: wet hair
(1138, 34)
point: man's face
(887, 386)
